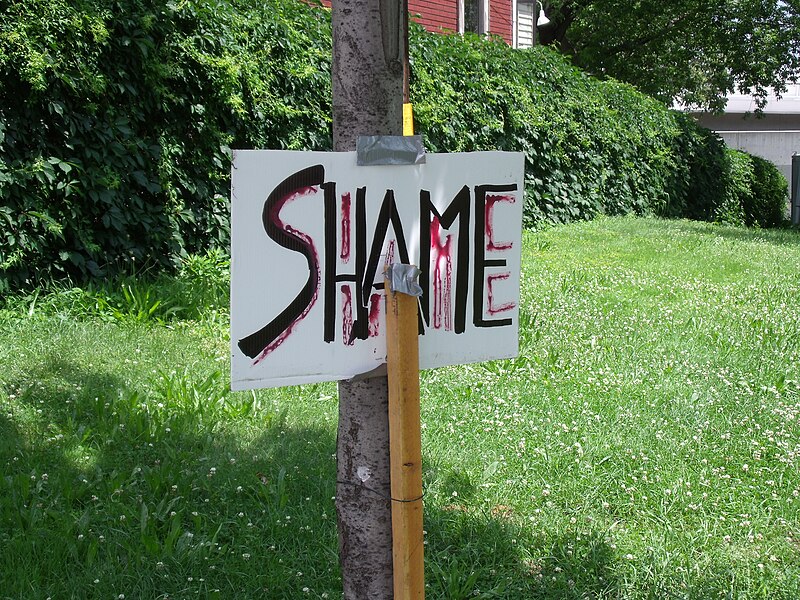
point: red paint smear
(493, 310)
(345, 251)
(347, 316)
(491, 200)
(442, 259)
(274, 216)
(374, 315)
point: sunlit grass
(645, 444)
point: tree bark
(368, 51)
(363, 504)
(367, 81)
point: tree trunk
(363, 490)
(368, 50)
(368, 53)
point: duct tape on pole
(795, 195)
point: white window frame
(514, 19)
(483, 16)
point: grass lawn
(645, 444)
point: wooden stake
(405, 445)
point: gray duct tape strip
(375, 150)
(403, 279)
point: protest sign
(312, 233)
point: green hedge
(753, 191)
(766, 204)
(116, 119)
(738, 187)
(592, 147)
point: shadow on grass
(479, 555)
(40, 489)
(142, 498)
(129, 487)
(191, 491)
(244, 504)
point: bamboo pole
(405, 445)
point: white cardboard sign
(312, 233)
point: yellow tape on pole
(408, 119)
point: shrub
(116, 119)
(766, 206)
(737, 189)
(591, 147)
(695, 185)
(753, 191)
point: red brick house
(510, 19)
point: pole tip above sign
(313, 233)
